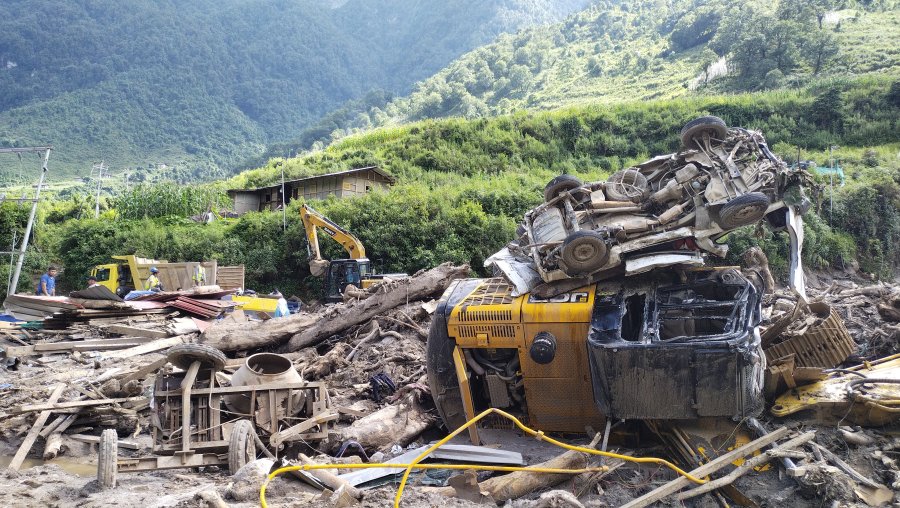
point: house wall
(358, 184)
(246, 202)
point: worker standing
(199, 277)
(47, 285)
(153, 283)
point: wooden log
(302, 330)
(398, 293)
(330, 480)
(20, 455)
(395, 424)
(52, 445)
(520, 483)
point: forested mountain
(648, 49)
(199, 85)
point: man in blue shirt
(47, 285)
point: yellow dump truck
(130, 272)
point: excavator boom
(312, 222)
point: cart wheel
(107, 465)
(183, 355)
(241, 445)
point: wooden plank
(84, 438)
(144, 371)
(133, 331)
(48, 406)
(149, 347)
(707, 469)
(22, 453)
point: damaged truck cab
(665, 347)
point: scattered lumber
(32, 435)
(707, 469)
(150, 347)
(84, 438)
(50, 406)
(303, 330)
(133, 331)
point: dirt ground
(69, 480)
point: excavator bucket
(318, 267)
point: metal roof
(346, 172)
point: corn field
(162, 200)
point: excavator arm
(312, 221)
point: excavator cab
(343, 272)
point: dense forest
(646, 50)
(187, 90)
(464, 184)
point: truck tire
(107, 465)
(183, 355)
(584, 252)
(561, 183)
(241, 445)
(743, 210)
(442, 379)
(715, 126)
(626, 185)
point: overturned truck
(580, 325)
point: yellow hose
(537, 434)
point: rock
(249, 479)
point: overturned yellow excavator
(338, 273)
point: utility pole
(14, 283)
(99, 167)
(283, 200)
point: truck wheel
(626, 185)
(561, 183)
(183, 355)
(715, 126)
(584, 252)
(442, 378)
(743, 210)
(107, 465)
(241, 445)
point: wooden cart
(208, 433)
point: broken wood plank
(50, 406)
(133, 331)
(22, 453)
(149, 347)
(747, 466)
(707, 469)
(85, 438)
(144, 371)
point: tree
(804, 10)
(819, 48)
(827, 109)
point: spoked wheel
(694, 130)
(241, 445)
(107, 465)
(584, 252)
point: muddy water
(78, 468)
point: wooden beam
(133, 331)
(50, 406)
(149, 347)
(22, 453)
(84, 438)
(707, 469)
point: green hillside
(462, 185)
(197, 86)
(613, 52)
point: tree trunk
(304, 330)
